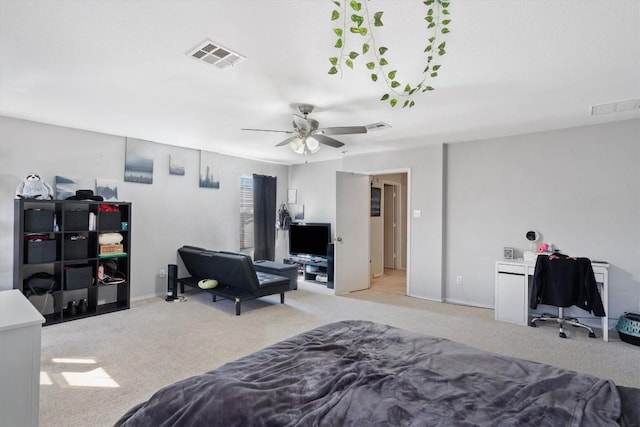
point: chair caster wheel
(592, 335)
(562, 335)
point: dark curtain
(264, 217)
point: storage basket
(628, 328)
(111, 249)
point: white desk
(512, 291)
(20, 325)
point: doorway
(389, 235)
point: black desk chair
(564, 281)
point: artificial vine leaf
(362, 30)
(362, 22)
(377, 19)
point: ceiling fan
(307, 135)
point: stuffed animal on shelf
(34, 187)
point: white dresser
(20, 327)
(512, 291)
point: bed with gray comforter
(359, 373)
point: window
(246, 213)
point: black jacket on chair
(562, 281)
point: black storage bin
(289, 271)
(109, 221)
(37, 251)
(38, 220)
(78, 277)
(76, 249)
(76, 220)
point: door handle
(338, 239)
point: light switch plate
(417, 213)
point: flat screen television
(309, 239)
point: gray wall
(579, 187)
(165, 215)
(316, 183)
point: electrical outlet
(459, 280)
(163, 273)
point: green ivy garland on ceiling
(358, 22)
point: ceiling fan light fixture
(312, 144)
(297, 145)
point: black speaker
(172, 282)
(330, 263)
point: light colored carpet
(96, 368)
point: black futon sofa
(237, 277)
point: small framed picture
(376, 199)
(292, 196)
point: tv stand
(314, 268)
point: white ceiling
(121, 67)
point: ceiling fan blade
(268, 130)
(342, 130)
(300, 123)
(328, 141)
(286, 141)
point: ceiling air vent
(377, 126)
(213, 53)
(615, 107)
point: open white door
(352, 232)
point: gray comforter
(358, 373)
